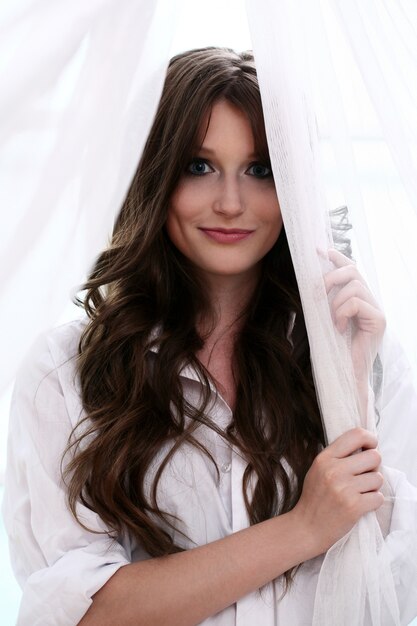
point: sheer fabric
(80, 85)
(358, 582)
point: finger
(364, 461)
(342, 276)
(371, 501)
(371, 481)
(353, 289)
(351, 441)
(368, 318)
(339, 259)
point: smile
(226, 235)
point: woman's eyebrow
(212, 152)
(206, 150)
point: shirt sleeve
(58, 564)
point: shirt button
(226, 467)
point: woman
(195, 474)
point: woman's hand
(355, 302)
(341, 485)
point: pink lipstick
(227, 235)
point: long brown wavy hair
(142, 282)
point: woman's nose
(229, 201)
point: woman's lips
(227, 235)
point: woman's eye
(259, 171)
(198, 167)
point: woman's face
(224, 215)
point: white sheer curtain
(375, 69)
(317, 159)
(80, 85)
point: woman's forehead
(224, 111)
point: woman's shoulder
(56, 345)
(62, 341)
(49, 370)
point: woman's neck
(229, 297)
(228, 301)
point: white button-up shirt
(60, 565)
